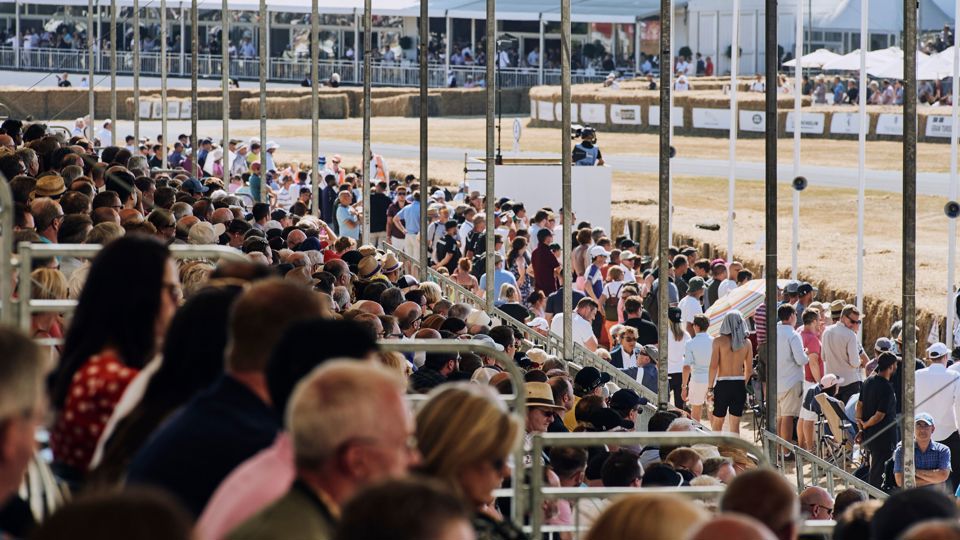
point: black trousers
(675, 383)
(881, 450)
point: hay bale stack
(461, 102)
(210, 108)
(249, 109)
(401, 105)
(23, 103)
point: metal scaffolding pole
(163, 82)
(314, 107)
(770, 191)
(183, 40)
(490, 50)
(91, 60)
(136, 70)
(909, 233)
(448, 44)
(194, 75)
(262, 46)
(732, 160)
(952, 223)
(862, 150)
(113, 71)
(566, 159)
(367, 155)
(424, 123)
(17, 42)
(540, 48)
(797, 123)
(225, 87)
(356, 47)
(663, 224)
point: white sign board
(173, 109)
(939, 125)
(157, 110)
(545, 111)
(146, 109)
(558, 112)
(676, 116)
(845, 123)
(890, 124)
(539, 186)
(626, 114)
(711, 119)
(753, 121)
(186, 107)
(811, 123)
(593, 113)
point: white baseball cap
(598, 251)
(938, 350)
(830, 380)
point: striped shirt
(935, 458)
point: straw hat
(50, 185)
(539, 394)
(368, 267)
(390, 263)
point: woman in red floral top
(126, 305)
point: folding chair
(838, 443)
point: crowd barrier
(27, 306)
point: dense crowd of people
(248, 398)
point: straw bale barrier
(880, 313)
(706, 113)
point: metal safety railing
(28, 252)
(538, 493)
(821, 472)
(282, 69)
(7, 315)
(517, 399)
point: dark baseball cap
(626, 399)
(607, 419)
(590, 378)
(806, 288)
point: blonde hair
(615, 273)
(649, 516)
(431, 292)
(395, 360)
(48, 284)
(194, 276)
(463, 424)
(509, 292)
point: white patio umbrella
(893, 68)
(875, 59)
(816, 59)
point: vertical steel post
(770, 191)
(448, 44)
(732, 150)
(490, 50)
(566, 161)
(356, 47)
(952, 194)
(862, 149)
(637, 27)
(136, 71)
(663, 223)
(113, 71)
(91, 83)
(183, 39)
(314, 106)
(367, 93)
(225, 87)
(909, 232)
(194, 75)
(7, 305)
(262, 47)
(18, 41)
(163, 82)
(424, 123)
(797, 115)
(540, 50)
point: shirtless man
(731, 366)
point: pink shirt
(811, 342)
(251, 487)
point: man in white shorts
(696, 366)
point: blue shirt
(500, 276)
(937, 457)
(343, 217)
(411, 217)
(255, 187)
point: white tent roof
(875, 59)
(621, 11)
(816, 59)
(844, 15)
(893, 68)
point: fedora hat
(390, 263)
(50, 185)
(368, 267)
(539, 394)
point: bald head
(130, 216)
(7, 142)
(221, 215)
(295, 238)
(732, 526)
(407, 314)
(105, 214)
(816, 503)
(778, 508)
(184, 224)
(369, 306)
(427, 333)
